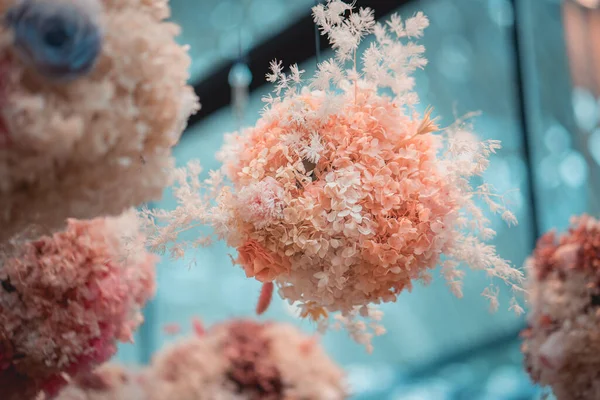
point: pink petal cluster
(66, 300)
(245, 360)
(108, 382)
(261, 203)
(372, 215)
(562, 342)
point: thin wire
(240, 47)
(317, 40)
(519, 65)
(147, 343)
(239, 116)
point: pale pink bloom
(245, 360)
(561, 343)
(261, 203)
(104, 143)
(67, 299)
(108, 382)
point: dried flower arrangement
(235, 360)
(108, 382)
(66, 299)
(562, 342)
(341, 196)
(245, 360)
(93, 97)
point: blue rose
(62, 41)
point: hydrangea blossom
(108, 382)
(341, 196)
(562, 342)
(245, 360)
(236, 360)
(66, 299)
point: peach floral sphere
(562, 342)
(245, 360)
(340, 195)
(359, 208)
(66, 299)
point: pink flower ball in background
(108, 382)
(87, 131)
(562, 342)
(67, 299)
(245, 360)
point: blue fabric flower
(61, 40)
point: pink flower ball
(351, 208)
(562, 342)
(67, 299)
(344, 210)
(342, 195)
(108, 382)
(245, 360)
(99, 141)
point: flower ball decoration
(66, 299)
(562, 342)
(93, 97)
(245, 360)
(342, 196)
(108, 382)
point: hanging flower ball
(93, 96)
(245, 360)
(343, 196)
(66, 299)
(108, 382)
(562, 342)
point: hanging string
(240, 78)
(317, 40)
(240, 47)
